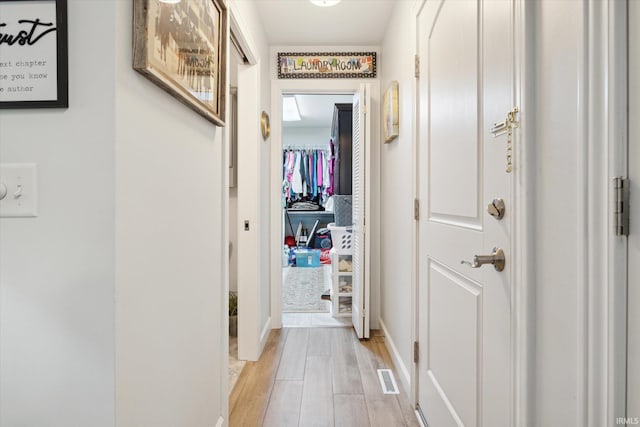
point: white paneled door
(360, 201)
(633, 331)
(466, 85)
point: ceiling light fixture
(325, 3)
(170, 1)
(290, 110)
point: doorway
(316, 171)
(279, 224)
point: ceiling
(316, 110)
(350, 22)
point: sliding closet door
(360, 202)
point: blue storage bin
(307, 257)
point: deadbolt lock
(496, 208)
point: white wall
(305, 137)
(397, 186)
(170, 168)
(56, 270)
(111, 298)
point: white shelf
(341, 302)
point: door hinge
(416, 209)
(416, 352)
(417, 66)
(620, 206)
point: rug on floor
(302, 289)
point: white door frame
(605, 310)
(313, 86)
(602, 304)
(633, 282)
(248, 343)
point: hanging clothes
(330, 167)
(288, 172)
(306, 175)
(325, 174)
(319, 170)
(296, 179)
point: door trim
(314, 86)
(606, 309)
(249, 345)
(523, 238)
(240, 31)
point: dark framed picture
(33, 54)
(182, 48)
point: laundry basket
(342, 238)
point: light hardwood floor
(318, 377)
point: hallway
(318, 376)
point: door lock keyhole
(496, 208)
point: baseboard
(395, 356)
(264, 335)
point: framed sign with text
(182, 47)
(326, 65)
(33, 54)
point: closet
(307, 185)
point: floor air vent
(388, 381)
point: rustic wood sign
(33, 54)
(182, 48)
(326, 65)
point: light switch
(20, 199)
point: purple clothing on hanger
(320, 170)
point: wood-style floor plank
(350, 410)
(346, 375)
(250, 396)
(294, 355)
(385, 411)
(368, 373)
(317, 396)
(313, 398)
(319, 342)
(404, 401)
(383, 408)
(284, 405)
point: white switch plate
(21, 197)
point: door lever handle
(496, 258)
